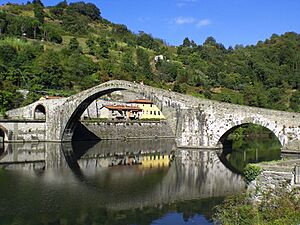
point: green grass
(277, 207)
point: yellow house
(149, 110)
(120, 112)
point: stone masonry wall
(277, 176)
(24, 131)
(121, 130)
(269, 182)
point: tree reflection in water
(90, 193)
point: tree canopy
(51, 50)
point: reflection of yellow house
(156, 160)
(150, 111)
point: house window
(150, 112)
(158, 112)
(155, 113)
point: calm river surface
(88, 183)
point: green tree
(102, 51)
(38, 2)
(2, 25)
(147, 41)
(48, 70)
(75, 23)
(91, 46)
(128, 62)
(143, 63)
(256, 95)
(87, 9)
(295, 101)
(74, 44)
(7, 54)
(35, 25)
(39, 13)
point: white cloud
(192, 21)
(202, 23)
(189, 0)
(182, 3)
(185, 20)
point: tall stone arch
(62, 125)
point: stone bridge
(195, 122)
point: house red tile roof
(141, 101)
(123, 107)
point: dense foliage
(251, 171)
(69, 47)
(275, 208)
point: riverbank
(279, 207)
(272, 197)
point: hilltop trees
(72, 41)
(87, 9)
(38, 9)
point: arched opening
(2, 138)
(73, 121)
(248, 143)
(124, 107)
(40, 112)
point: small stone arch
(39, 112)
(4, 135)
(3, 138)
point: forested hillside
(67, 48)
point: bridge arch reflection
(193, 174)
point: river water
(114, 182)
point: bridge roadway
(195, 122)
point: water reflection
(23, 155)
(93, 192)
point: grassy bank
(275, 208)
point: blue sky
(230, 22)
